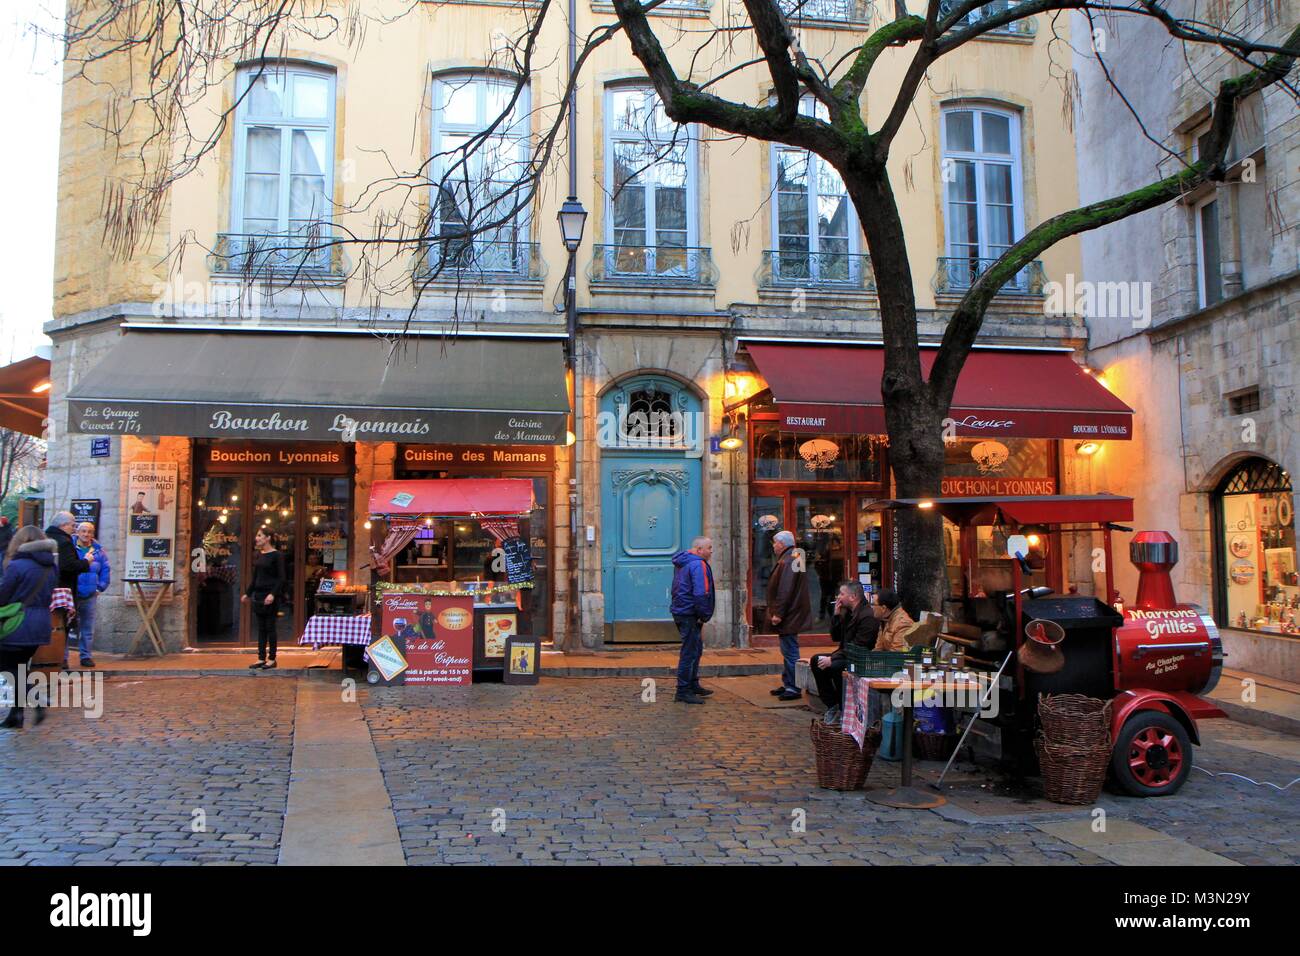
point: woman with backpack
(30, 576)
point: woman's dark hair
(270, 536)
(888, 598)
(21, 537)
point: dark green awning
(326, 388)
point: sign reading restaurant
(204, 420)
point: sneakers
(789, 695)
(256, 665)
(832, 717)
(688, 698)
(87, 662)
(699, 691)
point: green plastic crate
(865, 663)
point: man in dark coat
(853, 623)
(789, 608)
(71, 565)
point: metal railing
(956, 275)
(839, 270)
(829, 11)
(471, 260)
(270, 256)
(1026, 27)
(687, 265)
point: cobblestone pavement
(123, 789)
(584, 772)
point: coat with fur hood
(31, 576)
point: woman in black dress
(264, 592)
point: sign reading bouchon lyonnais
(301, 423)
(959, 486)
(237, 457)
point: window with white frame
(284, 161)
(480, 163)
(813, 222)
(651, 226)
(983, 211)
(1209, 278)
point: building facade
(690, 259)
(1209, 352)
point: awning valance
(326, 388)
(452, 497)
(1026, 510)
(22, 407)
(1015, 394)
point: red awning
(1017, 394)
(22, 408)
(452, 497)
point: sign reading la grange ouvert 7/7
(150, 521)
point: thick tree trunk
(916, 456)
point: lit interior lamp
(925, 505)
(366, 526)
(315, 519)
(570, 438)
(1088, 447)
(1034, 540)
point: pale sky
(29, 114)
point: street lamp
(572, 219)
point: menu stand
(148, 617)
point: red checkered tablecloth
(336, 629)
(62, 598)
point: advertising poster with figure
(435, 634)
(151, 522)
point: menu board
(86, 509)
(519, 560)
(151, 528)
(434, 633)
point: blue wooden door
(650, 510)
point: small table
(906, 796)
(148, 616)
(337, 629)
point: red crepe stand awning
(451, 497)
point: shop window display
(1258, 585)
(793, 456)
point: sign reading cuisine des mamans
(152, 489)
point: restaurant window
(650, 180)
(802, 457)
(480, 166)
(283, 170)
(1256, 551)
(980, 167)
(813, 221)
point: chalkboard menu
(86, 509)
(519, 560)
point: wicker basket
(928, 746)
(840, 764)
(1072, 775)
(1075, 720)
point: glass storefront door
(819, 530)
(219, 520)
(274, 509)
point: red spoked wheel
(1153, 755)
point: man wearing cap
(789, 608)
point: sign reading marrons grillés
(201, 420)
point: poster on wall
(151, 522)
(435, 634)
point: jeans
(688, 664)
(85, 625)
(789, 658)
(266, 636)
(830, 680)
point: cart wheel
(1153, 755)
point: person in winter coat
(30, 575)
(70, 563)
(853, 623)
(89, 586)
(692, 605)
(789, 607)
(895, 623)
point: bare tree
(183, 49)
(19, 455)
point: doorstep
(1276, 704)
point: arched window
(282, 194)
(983, 207)
(480, 172)
(650, 411)
(1256, 549)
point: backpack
(11, 615)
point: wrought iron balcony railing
(828, 11)
(265, 256)
(1026, 27)
(836, 270)
(955, 276)
(460, 260)
(681, 265)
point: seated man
(895, 623)
(853, 623)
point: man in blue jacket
(90, 584)
(692, 605)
